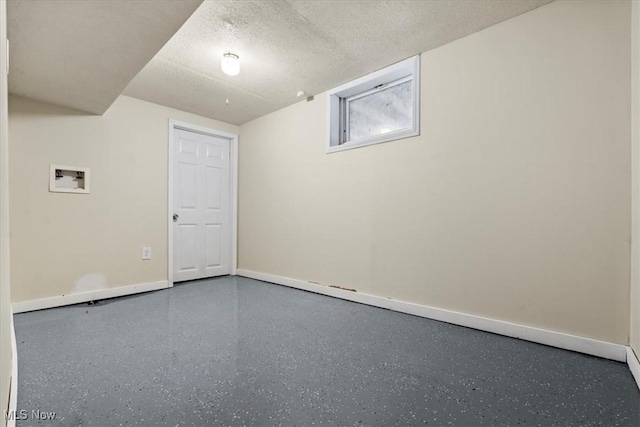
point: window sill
(373, 140)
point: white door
(201, 206)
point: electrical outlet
(146, 252)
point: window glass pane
(387, 110)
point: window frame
(408, 69)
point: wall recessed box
(68, 179)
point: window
(379, 107)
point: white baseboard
(542, 336)
(13, 393)
(77, 298)
(634, 365)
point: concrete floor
(234, 351)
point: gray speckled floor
(234, 351)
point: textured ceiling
(287, 46)
(82, 54)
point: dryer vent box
(68, 179)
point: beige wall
(513, 203)
(635, 132)
(63, 243)
(5, 305)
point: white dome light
(230, 64)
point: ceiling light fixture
(230, 63)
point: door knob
(175, 217)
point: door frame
(233, 182)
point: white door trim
(233, 149)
